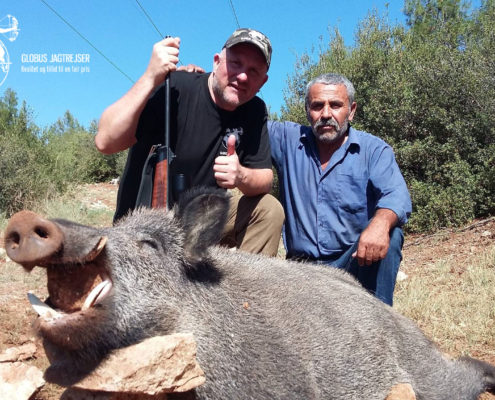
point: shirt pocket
(352, 200)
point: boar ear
(202, 213)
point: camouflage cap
(245, 35)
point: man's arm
(375, 239)
(251, 181)
(118, 123)
(229, 173)
(393, 205)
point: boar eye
(148, 242)
(153, 244)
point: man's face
(238, 74)
(329, 112)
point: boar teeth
(96, 294)
(42, 309)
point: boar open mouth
(76, 278)
(72, 289)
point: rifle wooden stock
(159, 197)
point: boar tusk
(99, 290)
(42, 309)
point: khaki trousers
(254, 224)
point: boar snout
(30, 239)
(76, 281)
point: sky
(54, 69)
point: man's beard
(224, 99)
(327, 137)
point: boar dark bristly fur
(265, 328)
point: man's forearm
(385, 219)
(118, 123)
(255, 181)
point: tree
(74, 154)
(23, 172)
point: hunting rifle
(161, 182)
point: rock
(401, 276)
(162, 364)
(486, 234)
(19, 381)
(3, 253)
(98, 205)
(78, 394)
(18, 353)
(401, 391)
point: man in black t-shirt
(218, 133)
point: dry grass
(454, 306)
(72, 207)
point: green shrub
(24, 171)
(36, 165)
(74, 156)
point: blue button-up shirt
(326, 210)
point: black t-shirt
(198, 133)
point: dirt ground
(420, 251)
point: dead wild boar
(265, 328)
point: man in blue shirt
(342, 191)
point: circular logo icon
(4, 63)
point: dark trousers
(379, 278)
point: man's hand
(375, 239)
(191, 68)
(164, 58)
(227, 169)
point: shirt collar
(352, 140)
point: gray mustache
(326, 122)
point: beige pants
(254, 224)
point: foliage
(75, 158)
(427, 87)
(23, 158)
(36, 165)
